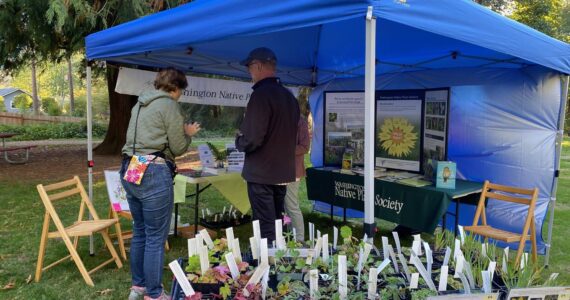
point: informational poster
(435, 129)
(399, 129)
(344, 127)
(117, 194)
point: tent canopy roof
(319, 40)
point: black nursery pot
(207, 288)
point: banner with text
(200, 90)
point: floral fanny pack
(137, 167)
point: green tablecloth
(230, 185)
(419, 208)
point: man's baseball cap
(262, 54)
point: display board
(411, 128)
(343, 126)
(398, 134)
(435, 129)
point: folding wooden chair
(509, 194)
(78, 229)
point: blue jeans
(151, 205)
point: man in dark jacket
(268, 136)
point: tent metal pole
(559, 139)
(369, 99)
(90, 148)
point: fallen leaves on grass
(105, 292)
(10, 285)
(29, 279)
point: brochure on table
(411, 128)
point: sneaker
(137, 292)
(162, 296)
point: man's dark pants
(267, 203)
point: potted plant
(219, 155)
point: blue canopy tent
(372, 44)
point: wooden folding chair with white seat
(69, 190)
(509, 194)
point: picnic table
(5, 150)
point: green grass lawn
(21, 221)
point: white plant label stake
(204, 233)
(230, 236)
(259, 272)
(256, 235)
(199, 241)
(192, 247)
(236, 250)
(230, 259)
(335, 237)
(420, 267)
(325, 248)
(467, 269)
(318, 247)
(264, 284)
(447, 255)
(254, 248)
(414, 281)
(383, 265)
(318, 233)
(397, 241)
(385, 247)
(203, 214)
(392, 255)
(310, 254)
(204, 261)
(505, 259)
(486, 281)
(342, 277)
(456, 249)
(417, 249)
(418, 238)
(461, 234)
(443, 279)
(491, 269)
(279, 234)
(372, 283)
(264, 252)
(484, 249)
(311, 231)
(313, 282)
(404, 263)
(429, 257)
(465, 283)
(181, 278)
(458, 267)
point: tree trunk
(120, 106)
(35, 100)
(70, 78)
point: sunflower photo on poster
(398, 130)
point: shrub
(50, 106)
(53, 131)
(2, 106)
(23, 102)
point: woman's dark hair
(170, 79)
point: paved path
(52, 142)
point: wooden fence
(24, 119)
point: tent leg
(564, 87)
(369, 99)
(90, 148)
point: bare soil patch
(52, 163)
